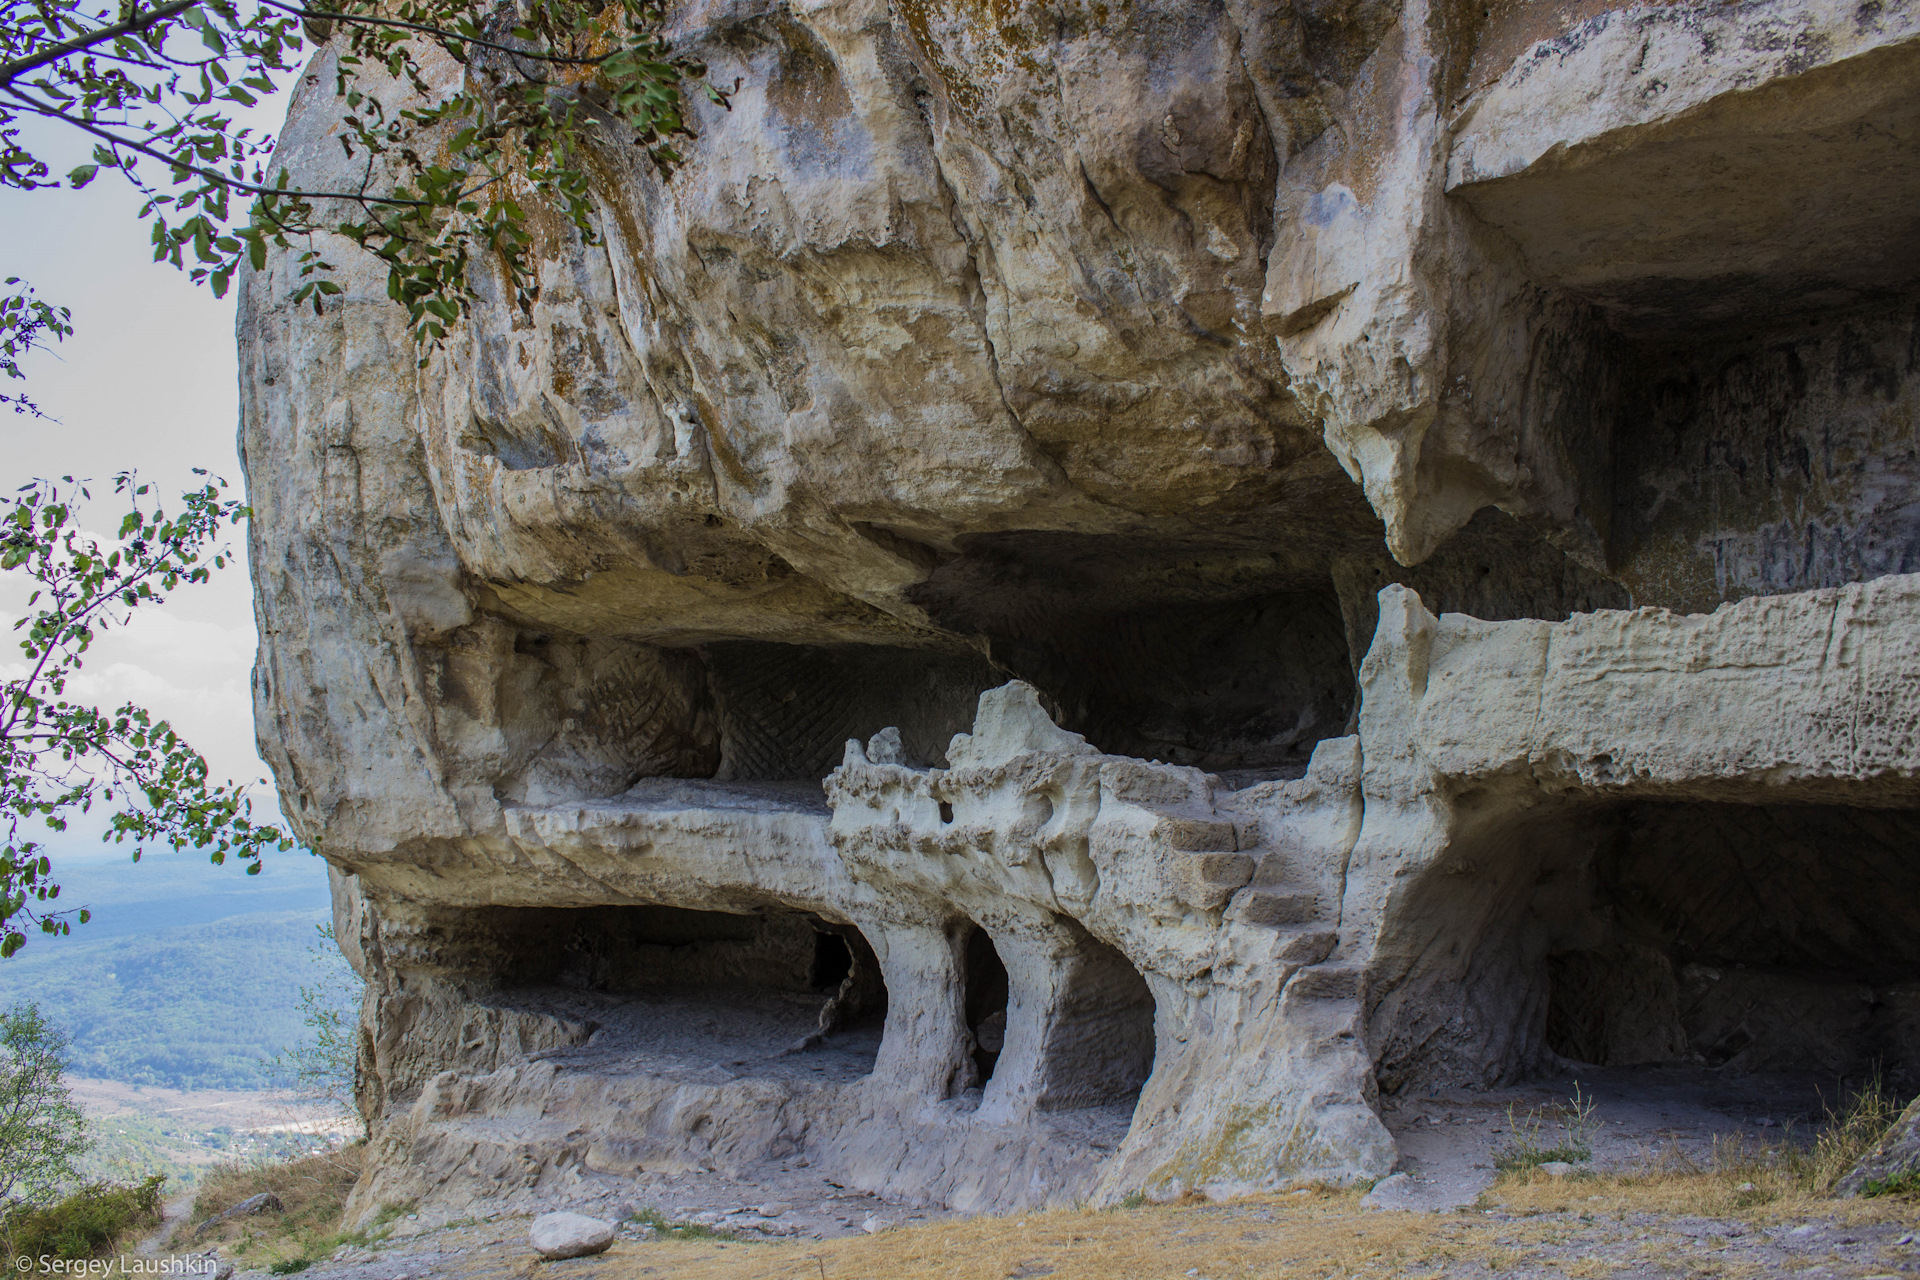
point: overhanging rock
(1078, 597)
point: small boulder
(874, 1225)
(1556, 1168)
(264, 1202)
(1386, 1193)
(775, 1209)
(570, 1235)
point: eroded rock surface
(1090, 589)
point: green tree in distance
(58, 757)
(41, 1132)
(324, 1067)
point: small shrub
(661, 1224)
(84, 1224)
(1900, 1184)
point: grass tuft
(1741, 1175)
(1526, 1146)
(1847, 1135)
(669, 1229)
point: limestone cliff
(1315, 549)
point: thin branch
(100, 35)
(212, 175)
(441, 33)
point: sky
(147, 382)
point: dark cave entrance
(1243, 688)
(778, 991)
(832, 961)
(1227, 658)
(1726, 939)
(986, 992)
(786, 711)
(1750, 938)
(1099, 1046)
(1089, 1019)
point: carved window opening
(1099, 1046)
(986, 994)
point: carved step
(1198, 835)
(1278, 904)
(1327, 982)
(1305, 945)
(1211, 876)
(1221, 870)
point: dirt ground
(1640, 1115)
(1679, 1185)
(1574, 1228)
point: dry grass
(312, 1190)
(1750, 1191)
(1741, 1176)
(1322, 1234)
(1315, 1235)
(1539, 1221)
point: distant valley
(188, 976)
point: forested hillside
(188, 976)
(193, 1007)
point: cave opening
(832, 961)
(1718, 940)
(1226, 658)
(1244, 689)
(786, 711)
(1099, 1046)
(1747, 938)
(986, 992)
(778, 992)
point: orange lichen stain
(977, 45)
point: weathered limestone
(1088, 590)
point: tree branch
(100, 35)
(210, 175)
(440, 33)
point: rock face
(1315, 551)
